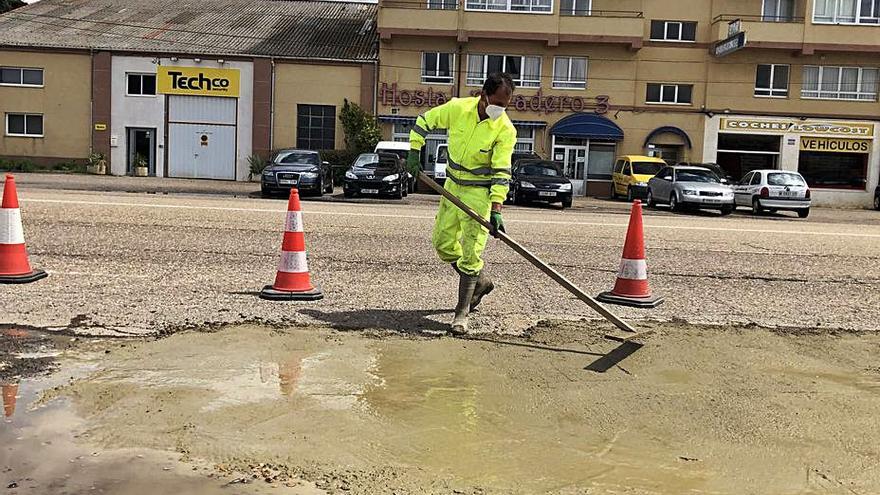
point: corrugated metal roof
(280, 28)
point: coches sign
(197, 81)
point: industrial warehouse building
(788, 84)
(184, 89)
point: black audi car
(302, 169)
(376, 174)
(539, 180)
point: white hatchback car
(773, 190)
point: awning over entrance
(587, 126)
(669, 130)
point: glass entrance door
(141, 150)
(574, 163)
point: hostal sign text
(390, 95)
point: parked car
(631, 175)
(877, 198)
(303, 169)
(401, 149)
(773, 190)
(376, 174)
(438, 170)
(695, 187)
(539, 180)
(720, 172)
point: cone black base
(634, 302)
(23, 279)
(273, 294)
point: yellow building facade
(669, 78)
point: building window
(18, 76)
(442, 4)
(437, 67)
(778, 11)
(569, 73)
(141, 84)
(576, 7)
(316, 127)
(24, 124)
(670, 94)
(536, 6)
(840, 83)
(673, 31)
(834, 170)
(772, 80)
(846, 12)
(525, 140)
(525, 71)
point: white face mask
(493, 111)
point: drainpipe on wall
(459, 56)
(92, 106)
(272, 110)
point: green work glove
(413, 160)
(497, 223)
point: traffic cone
(14, 265)
(10, 395)
(292, 281)
(631, 288)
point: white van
(401, 149)
(439, 171)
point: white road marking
(431, 217)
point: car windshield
(646, 168)
(296, 158)
(540, 169)
(400, 153)
(782, 179)
(696, 176)
(367, 160)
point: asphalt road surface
(147, 264)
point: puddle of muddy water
(45, 450)
(395, 415)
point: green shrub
(340, 161)
(256, 166)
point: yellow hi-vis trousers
(457, 237)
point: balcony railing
(420, 4)
(623, 14)
(757, 18)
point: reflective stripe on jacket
(479, 151)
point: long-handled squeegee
(541, 265)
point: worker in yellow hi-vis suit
(481, 142)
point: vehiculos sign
(836, 145)
(198, 81)
(798, 127)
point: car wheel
(348, 194)
(877, 202)
(803, 213)
(756, 206)
(614, 191)
(727, 210)
(650, 199)
(566, 203)
(673, 203)
(630, 196)
(517, 199)
(264, 193)
(329, 188)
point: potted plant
(97, 164)
(141, 167)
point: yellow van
(631, 175)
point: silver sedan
(695, 187)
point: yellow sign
(798, 127)
(100, 127)
(198, 81)
(836, 145)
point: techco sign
(198, 81)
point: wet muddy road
(697, 410)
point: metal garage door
(201, 137)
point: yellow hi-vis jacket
(479, 151)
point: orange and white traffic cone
(631, 288)
(14, 265)
(292, 280)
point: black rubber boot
(466, 286)
(484, 287)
